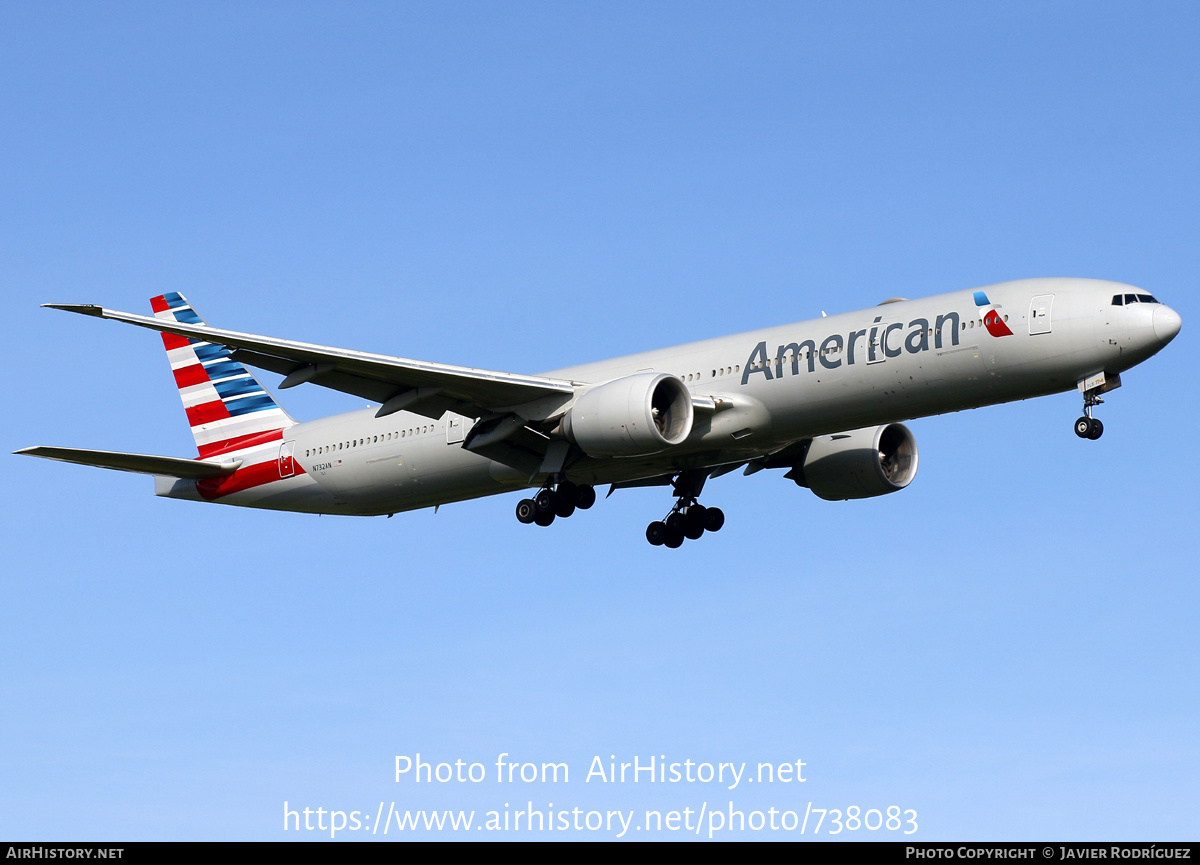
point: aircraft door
(287, 465)
(884, 340)
(456, 428)
(1039, 313)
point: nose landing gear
(1088, 427)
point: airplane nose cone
(1166, 324)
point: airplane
(824, 398)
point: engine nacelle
(639, 414)
(860, 463)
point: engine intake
(859, 464)
(639, 414)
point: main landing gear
(559, 500)
(688, 518)
(1088, 427)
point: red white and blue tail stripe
(230, 412)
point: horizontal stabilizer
(141, 463)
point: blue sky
(1007, 647)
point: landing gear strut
(688, 519)
(1088, 427)
(558, 499)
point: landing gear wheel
(1097, 430)
(545, 500)
(526, 511)
(585, 497)
(1083, 427)
(688, 519)
(563, 506)
(543, 518)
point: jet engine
(639, 414)
(859, 464)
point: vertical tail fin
(227, 407)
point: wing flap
(141, 463)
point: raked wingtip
(81, 308)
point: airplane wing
(398, 383)
(140, 463)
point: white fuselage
(774, 387)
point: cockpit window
(1134, 298)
